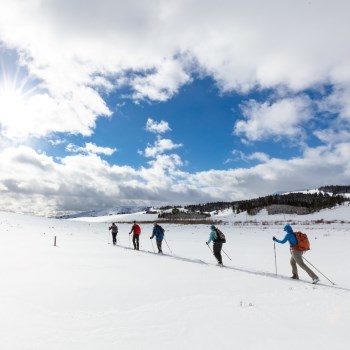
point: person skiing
(114, 229)
(158, 232)
(297, 255)
(136, 230)
(217, 246)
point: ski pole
(153, 246)
(319, 271)
(226, 254)
(212, 252)
(209, 248)
(274, 248)
(168, 245)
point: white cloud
(256, 156)
(90, 148)
(41, 114)
(157, 127)
(160, 146)
(330, 136)
(277, 119)
(337, 102)
(87, 47)
(34, 182)
(161, 85)
(316, 167)
(55, 142)
(260, 156)
(81, 182)
(74, 51)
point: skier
(158, 232)
(297, 255)
(114, 229)
(217, 246)
(136, 235)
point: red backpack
(303, 242)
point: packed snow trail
(234, 268)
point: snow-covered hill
(106, 212)
(339, 213)
(86, 294)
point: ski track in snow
(234, 268)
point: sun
(15, 92)
(13, 89)
(10, 98)
(12, 106)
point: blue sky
(106, 103)
(199, 118)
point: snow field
(87, 294)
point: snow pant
(136, 241)
(217, 251)
(159, 246)
(114, 235)
(297, 258)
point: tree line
(337, 189)
(308, 202)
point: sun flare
(11, 98)
(15, 94)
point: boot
(315, 280)
(295, 276)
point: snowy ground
(87, 294)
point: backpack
(303, 241)
(220, 237)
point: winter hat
(288, 229)
(212, 227)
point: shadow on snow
(239, 269)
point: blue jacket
(212, 236)
(290, 237)
(158, 231)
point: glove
(150, 238)
(273, 238)
(206, 243)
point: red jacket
(136, 229)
